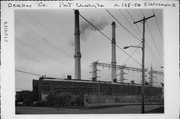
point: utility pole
(143, 57)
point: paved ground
(134, 109)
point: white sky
(44, 43)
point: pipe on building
(77, 55)
(113, 63)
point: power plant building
(94, 90)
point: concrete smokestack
(77, 55)
(113, 63)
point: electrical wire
(133, 20)
(54, 37)
(152, 36)
(151, 54)
(51, 35)
(33, 48)
(157, 25)
(28, 72)
(108, 38)
(35, 74)
(48, 43)
(129, 22)
(153, 40)
(131, 55)
(123, 26)
(57, 48)
(95, 27)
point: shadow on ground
(157, 110)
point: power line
(123, 26)
(51, 35)
(158, 26)
(55, 37)
(95, 27)
(131, 55)
(148, 54)
(129, 22)
(152, 36)
(108, 38)
(146, 43)
(30, 73)
(153, 40)
(41, 26)
(27, 72)
(153, 56)
(133, 20)
(47, 42)
(57, 48)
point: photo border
(171, 60)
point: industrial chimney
(77, 55)
(113, 63)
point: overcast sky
(44, 43)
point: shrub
(41, 103)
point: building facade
(93, 91)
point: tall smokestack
(77, 55)
(113, 63)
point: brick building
(43, 87)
